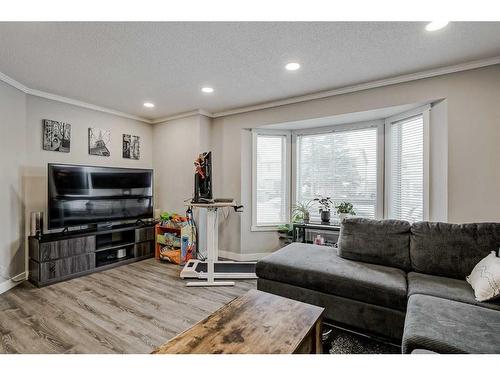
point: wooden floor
(128, 309)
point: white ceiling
(121, 65)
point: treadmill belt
(228, 267)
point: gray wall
(24, 162)
(12, 159)
(438, 164)
(176, 144)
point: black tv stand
(104, 226)
(140, 221)
(65, 255)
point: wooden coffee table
(258, 323)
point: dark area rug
(346, 342)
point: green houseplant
(325, 203)
(285, 232)
(300, 211)
(344, 209)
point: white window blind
(270, 179)
(341, 165)
(406, 169)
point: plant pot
(306, 217)
(342, 216)
(285, 239)
(325, 216)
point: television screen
(81, 195)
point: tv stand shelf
(61, 256)
(114, 247)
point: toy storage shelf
(161, 230)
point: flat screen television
(83, 195)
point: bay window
(341, 165)
(406, 166)
(270, 186)
(380, 167)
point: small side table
(300, 231)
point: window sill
(264, 228)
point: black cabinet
(60, 269)
(62, 256)
(144, 234)
(45, 251)
(144, 249)
(307, 232)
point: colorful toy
(175, 239)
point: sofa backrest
(451, 250)
(384, 242)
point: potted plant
(285, 232)
(344, 209)
(300, 211)
(325, 203)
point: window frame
(286, 163)
(383, 161)
(378, 124)
(425, 112)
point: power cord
(192, 222)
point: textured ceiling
(121, 65)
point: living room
(174, 186)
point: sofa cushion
(485, 278)
(361, 316)
(423, 351)
(446, 326)
(384, 242)
(320, 268)
(451, 250)
(445, 287)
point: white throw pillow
(485, 278)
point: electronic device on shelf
(84, 195)
(203, 178)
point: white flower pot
(342, 216)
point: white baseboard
(241, 257)
(9, 284)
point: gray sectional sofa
(402, 281)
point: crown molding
(58, 98)
(365, 86)
(12, 82)
(178, 116)
(277, 103)
(78, 103)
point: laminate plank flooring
(129, 309)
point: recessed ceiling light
(292, 66)
(207, 90)
(149, 105)
(436, 25)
